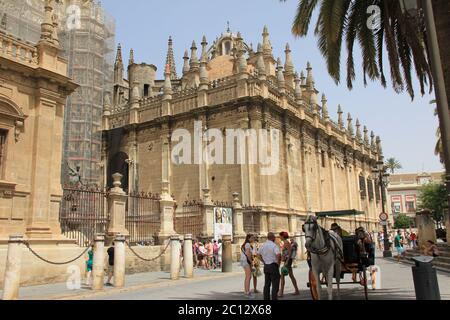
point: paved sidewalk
(137, 281)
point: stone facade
(33, 92)
(323, 165)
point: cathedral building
(239, 121)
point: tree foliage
(393, 164)
(345, 22)
(433, 196)
(402, 221)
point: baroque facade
(323, 165)
(33, 90)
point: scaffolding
(90, 53)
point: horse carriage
(334, 255)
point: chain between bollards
(144, 259)
(52, 262)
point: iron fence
(190, 219)
(142, 218)
(82, 213)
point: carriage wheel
(312, 286)
(366, 294)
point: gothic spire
(309, 77)
(260, 65)
(366, 136)
(194, 63)
(118, 66)
(186, 67)
(47, 27)
(350, 125)
(167, 88)
(170, 60)
(358, 130)
(302, 78)
(340, 119)
(298, 88)
(131, 59)
(373, 145)
(325, 114)
(267, 47)
(280, 75)
(204, 55)
(289, 65)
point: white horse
(325, 248)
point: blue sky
(407, 129)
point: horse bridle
(322, 251)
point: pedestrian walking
(195, 252)
(209, 254)
(398, 243)
(256, 270)
(413, 237)
(270, 255)
(246, 262)
(110, 269)
(216, 254)
(202, 256)
(89, 264)
(288, 254)
(220, 252)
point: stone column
(98, 272)
(426, 227)
(227, 255)
(175, 250)
(188, 258)
(119, 261)
(11, 283)
(208, 216)
(238, 220)
(117, 200)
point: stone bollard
(188, 257)
(175, 250)
(119, 261)
(13, 267)
(227, 255)
(98, 269)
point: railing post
(119, 261)
(227, 254)
(238, 220)
(98, 272)
(117, 200)
(11, 284)
(188, 257)
(175, 250)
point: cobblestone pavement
(396, 282)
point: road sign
(383, 223)
(383, 216)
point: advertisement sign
(223, 222)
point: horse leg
(338, 278)
(316, 276)
(330, 282)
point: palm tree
(393, 164)
(404, 38)
(438, 148)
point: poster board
(223, 222)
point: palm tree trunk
(441, 10)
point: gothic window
(362, 187)
(146, 90)
(370, 189)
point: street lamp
(382, 177)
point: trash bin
(425, 279)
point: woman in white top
(246, 262)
